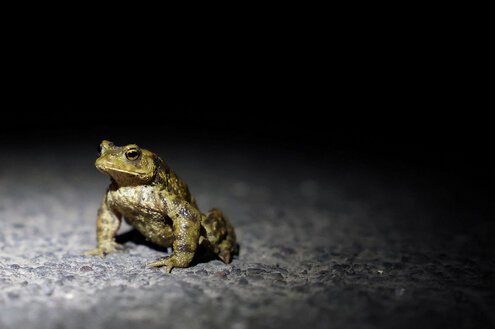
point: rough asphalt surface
(323, 244)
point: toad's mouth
(104, 168)
(122, 171)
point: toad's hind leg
(220, 235)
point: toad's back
(167, 179)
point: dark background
(433, 130)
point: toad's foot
(105, 248)
(225, 255)
(171, 262)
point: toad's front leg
(186, 221)
(107, 224)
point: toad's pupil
(132, 155)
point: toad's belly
(156, 230)
(141, 210)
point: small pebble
(86, 268)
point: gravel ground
(322, 245)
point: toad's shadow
(202, 255)
(134, 236)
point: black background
(396, 97)
(443, 133)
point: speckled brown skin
(154, 200)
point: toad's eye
(132, 154)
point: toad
(150, 196)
